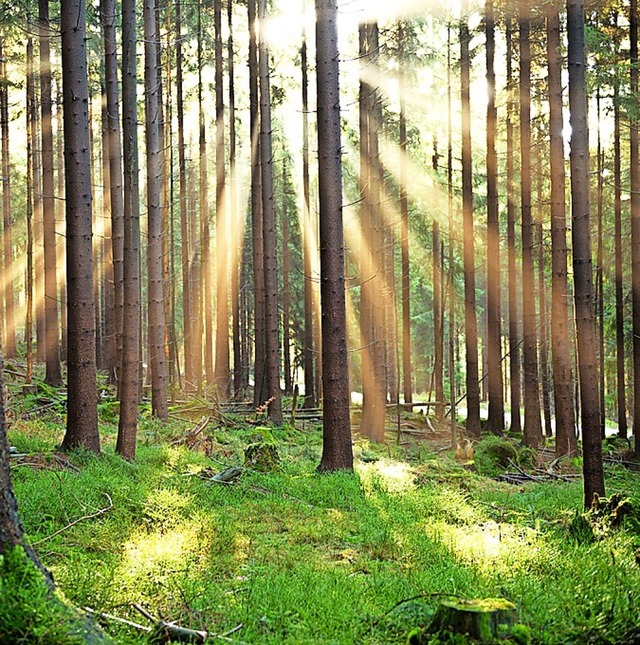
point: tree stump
(262, 454)
(484, 620)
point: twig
(129, 623)
(80, 519)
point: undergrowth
(292, 556)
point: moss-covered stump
(262, 453)
(485, 620)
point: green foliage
(493, 454)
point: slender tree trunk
(470, 320)
(9, 317)
(82, 407)
(108, 16)
(129, 390)
(286, 287)
(337, 453)
(155, 292)
(582, 269)
(532, 421)
(308, 238)
(599, 266)
(53, 371)
(451, 277)
(494, 331)
(272, 339)
(194, 278)
(620, 358)
(512, 285)
(635, 222)
(260, 388)
(222, 370)
(404, 226)
(31, 124)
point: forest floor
(281, 554)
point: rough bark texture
(582, 269)
(271, 316)
(532, 421)
(494, 332)
(52, 345)
(512, 285)
(129, 390)
(337, 451)
(470, 320)
(30, 132)
(561, 360)
(155, 292)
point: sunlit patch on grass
(386, 475)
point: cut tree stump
(485, 620)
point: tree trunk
(451, 277)
(582, 266)
(222, 371)
(514, 343)
(129, 390)
(108, 15)
(600, 267)
(82, 410)
(337, 453)
(532, 421)
(9, 316)
(155, 292)
(272, 339)
(31, 201)
(286, 287)
(52, 346)
(494, 331)
(470, 320)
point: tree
(82, 406)
(337, 452)
(155, 293)
(494, 333)
(562, 374)
(129, 389)
(582, 265)
(52, 346)
(532, 421)
(470, 320)
(271, 316)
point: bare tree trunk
(272, 340)
(450, 277)
(286, 287)
(514, 343)
(494, 331)
(82, 407)
(9, 317)
(438, 313)
(129, 390)
(31, 124)
(582, 266)
(599, 266)
(532, 421)
(337, 453)
(108, 16)
(470, 320)
(53, 371)
(155, 292)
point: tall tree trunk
(53, 371)
(9, 316)
(82, 407)
(582, 266)
(635, 222)
(599, 265)
(514, 342)
(337, 451)
(470, 320)
(272, 339)
(60, 232)
(451, 277)
(194, 278)
(494, 331)
(404, 225)
(155, 292)
(620, 358)
(129, 390)
(222, 370)
(532, 421)
(286, 286)
(260, 387)
(31, 124)
(108, 16)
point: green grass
(297, 557)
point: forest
(320, 323)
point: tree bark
(582, 265)
(337, 453)
(31, 124)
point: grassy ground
(290, 556)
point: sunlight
(391, 476)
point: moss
(493, 454)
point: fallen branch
(80, 519)
(170, 631)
